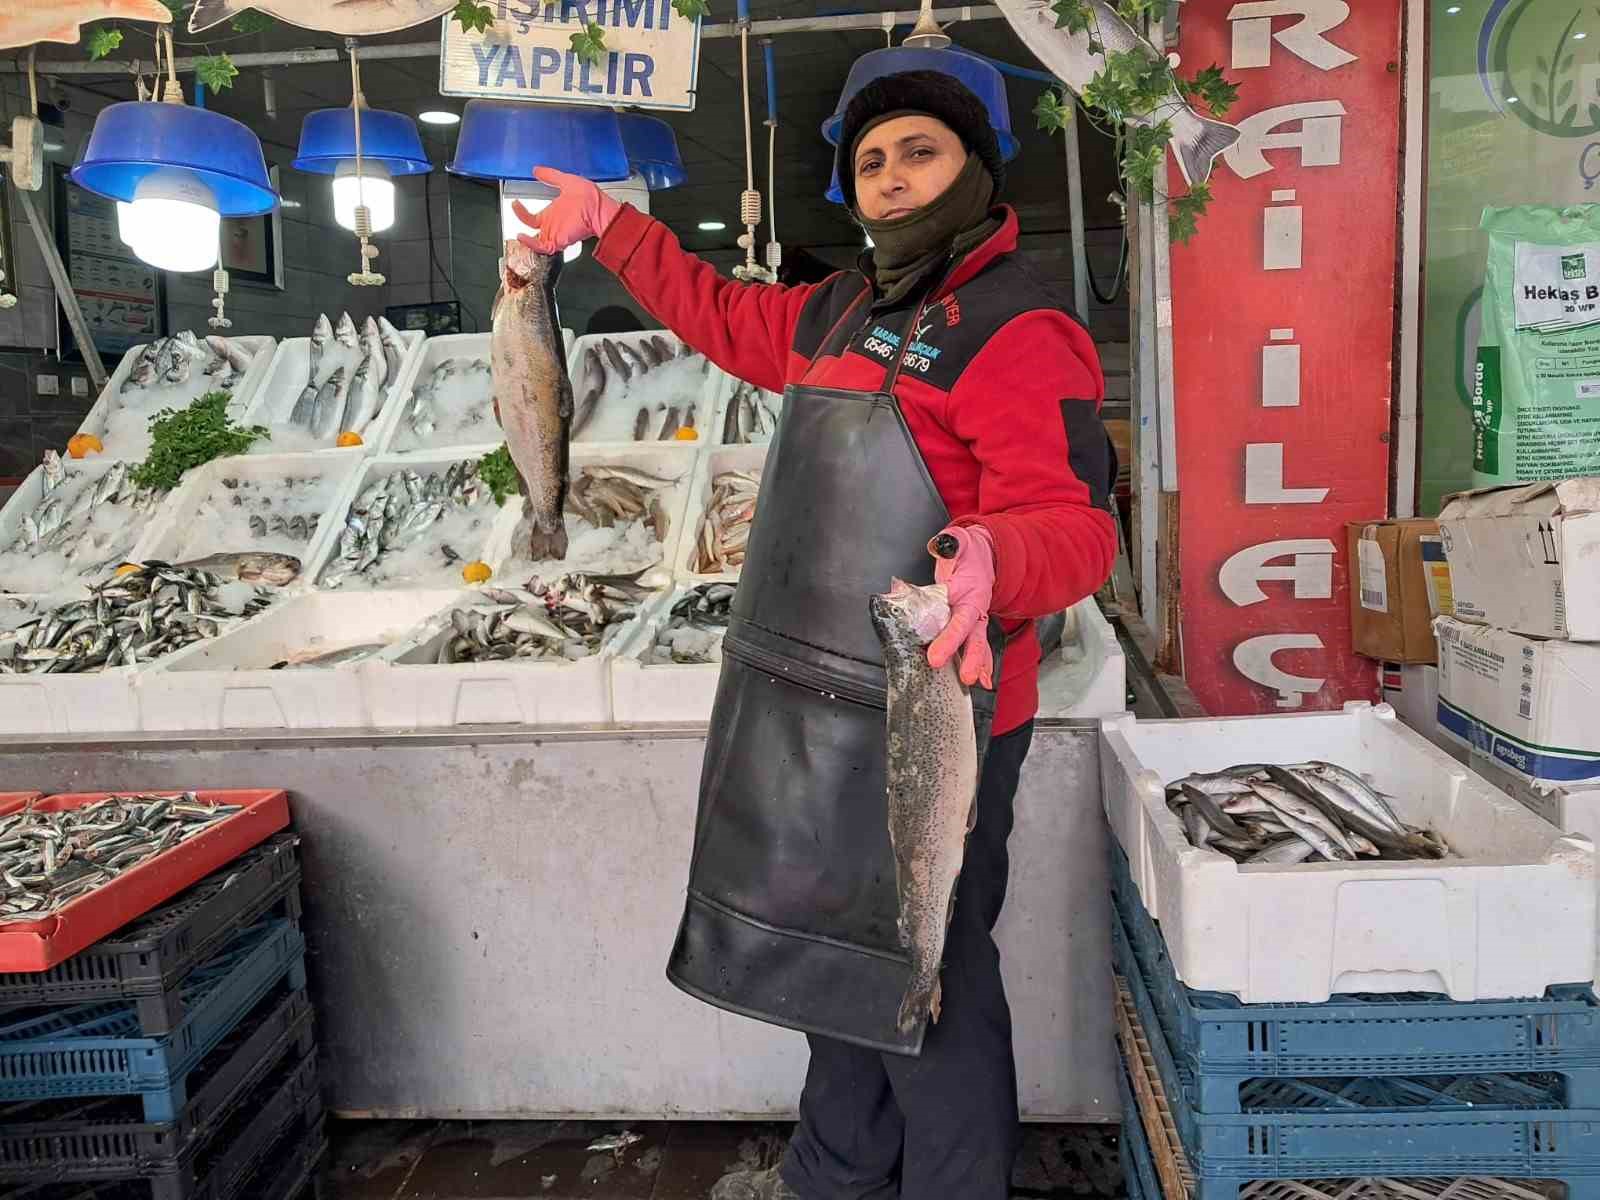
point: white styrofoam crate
(419, 369)
(410, 689)
(612, 423)
(1087, 676)
(172, 537)
(657, 460)
(93, 702)
(227, 682)
(325, 546)
(715, 461)
(659, 692)
(717, 434)
(29, 495)
(110, 399)
(286, 378)
(1510, 912)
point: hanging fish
(394, 347)
(348, 18)
(345, 332)
(321, 335)
(24, 22)
(328, 404)
(1076, 58)
(372, 347)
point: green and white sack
(1536, 388)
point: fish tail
(1198, 142)
(545, 545)
(211, 12)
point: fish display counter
(493, 761)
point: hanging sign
(651, 54)
(1283, 311)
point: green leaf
(1543, 64)
(690, 9)
(589, 44)
(186, 437)
(1565, 93)
(472, 16)
(216, 71)
(500, 473)
(1052, 111)
(1594, 113)
(1539, 97)
(1567, 117)
(252, 21)
(1566, 63)
(1184, 212)
(1075, 16)
(103, 41)
(1212, 90)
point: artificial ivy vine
(1129, 87)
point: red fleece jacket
(992, 411)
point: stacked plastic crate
(174, 1059)
(1374, 1093)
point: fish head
(276, 569)
(922, 610)
(323, 329)
(524, 266)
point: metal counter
(489, 916)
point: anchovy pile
(605, 496)
(171, 360)
(613, 364)
(393, 512)
(1307, 812)
(56, 523)
(752, 415)
(48, 859)
(344, 389)
(132, 618)
(468, 375)
(568, 618)
(724, 529)
(693, 630)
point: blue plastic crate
(1138, 1164)
(1330, 1129)
(1222, 1043)
(96, 1050)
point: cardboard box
(1527, 558)
(1527, 704)
(1390, 617)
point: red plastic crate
(40, 945)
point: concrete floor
(447, 1160)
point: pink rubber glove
(581, 210)
(968, 576)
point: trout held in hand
(533, 396)
(933, 781)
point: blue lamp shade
(506, 139)
(328, 139)
(652, 150)
(135, 138)
(981, 78)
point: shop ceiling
(811, 69)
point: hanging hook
(364, 276)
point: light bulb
(511, 225)
(172, 223)
(373, 187)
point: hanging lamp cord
(750, 198)
(365, 276)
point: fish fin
(1197, 148)
(918, 1003)
(212, 12)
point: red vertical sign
(1283, 315)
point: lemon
(476, 572)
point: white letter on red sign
(1320, 138)
(1253, 660)
(1311, 572)
(1253, 36)
(1263, 478)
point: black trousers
(943, 1126)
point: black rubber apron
(792, 911)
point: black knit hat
(932, 92)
